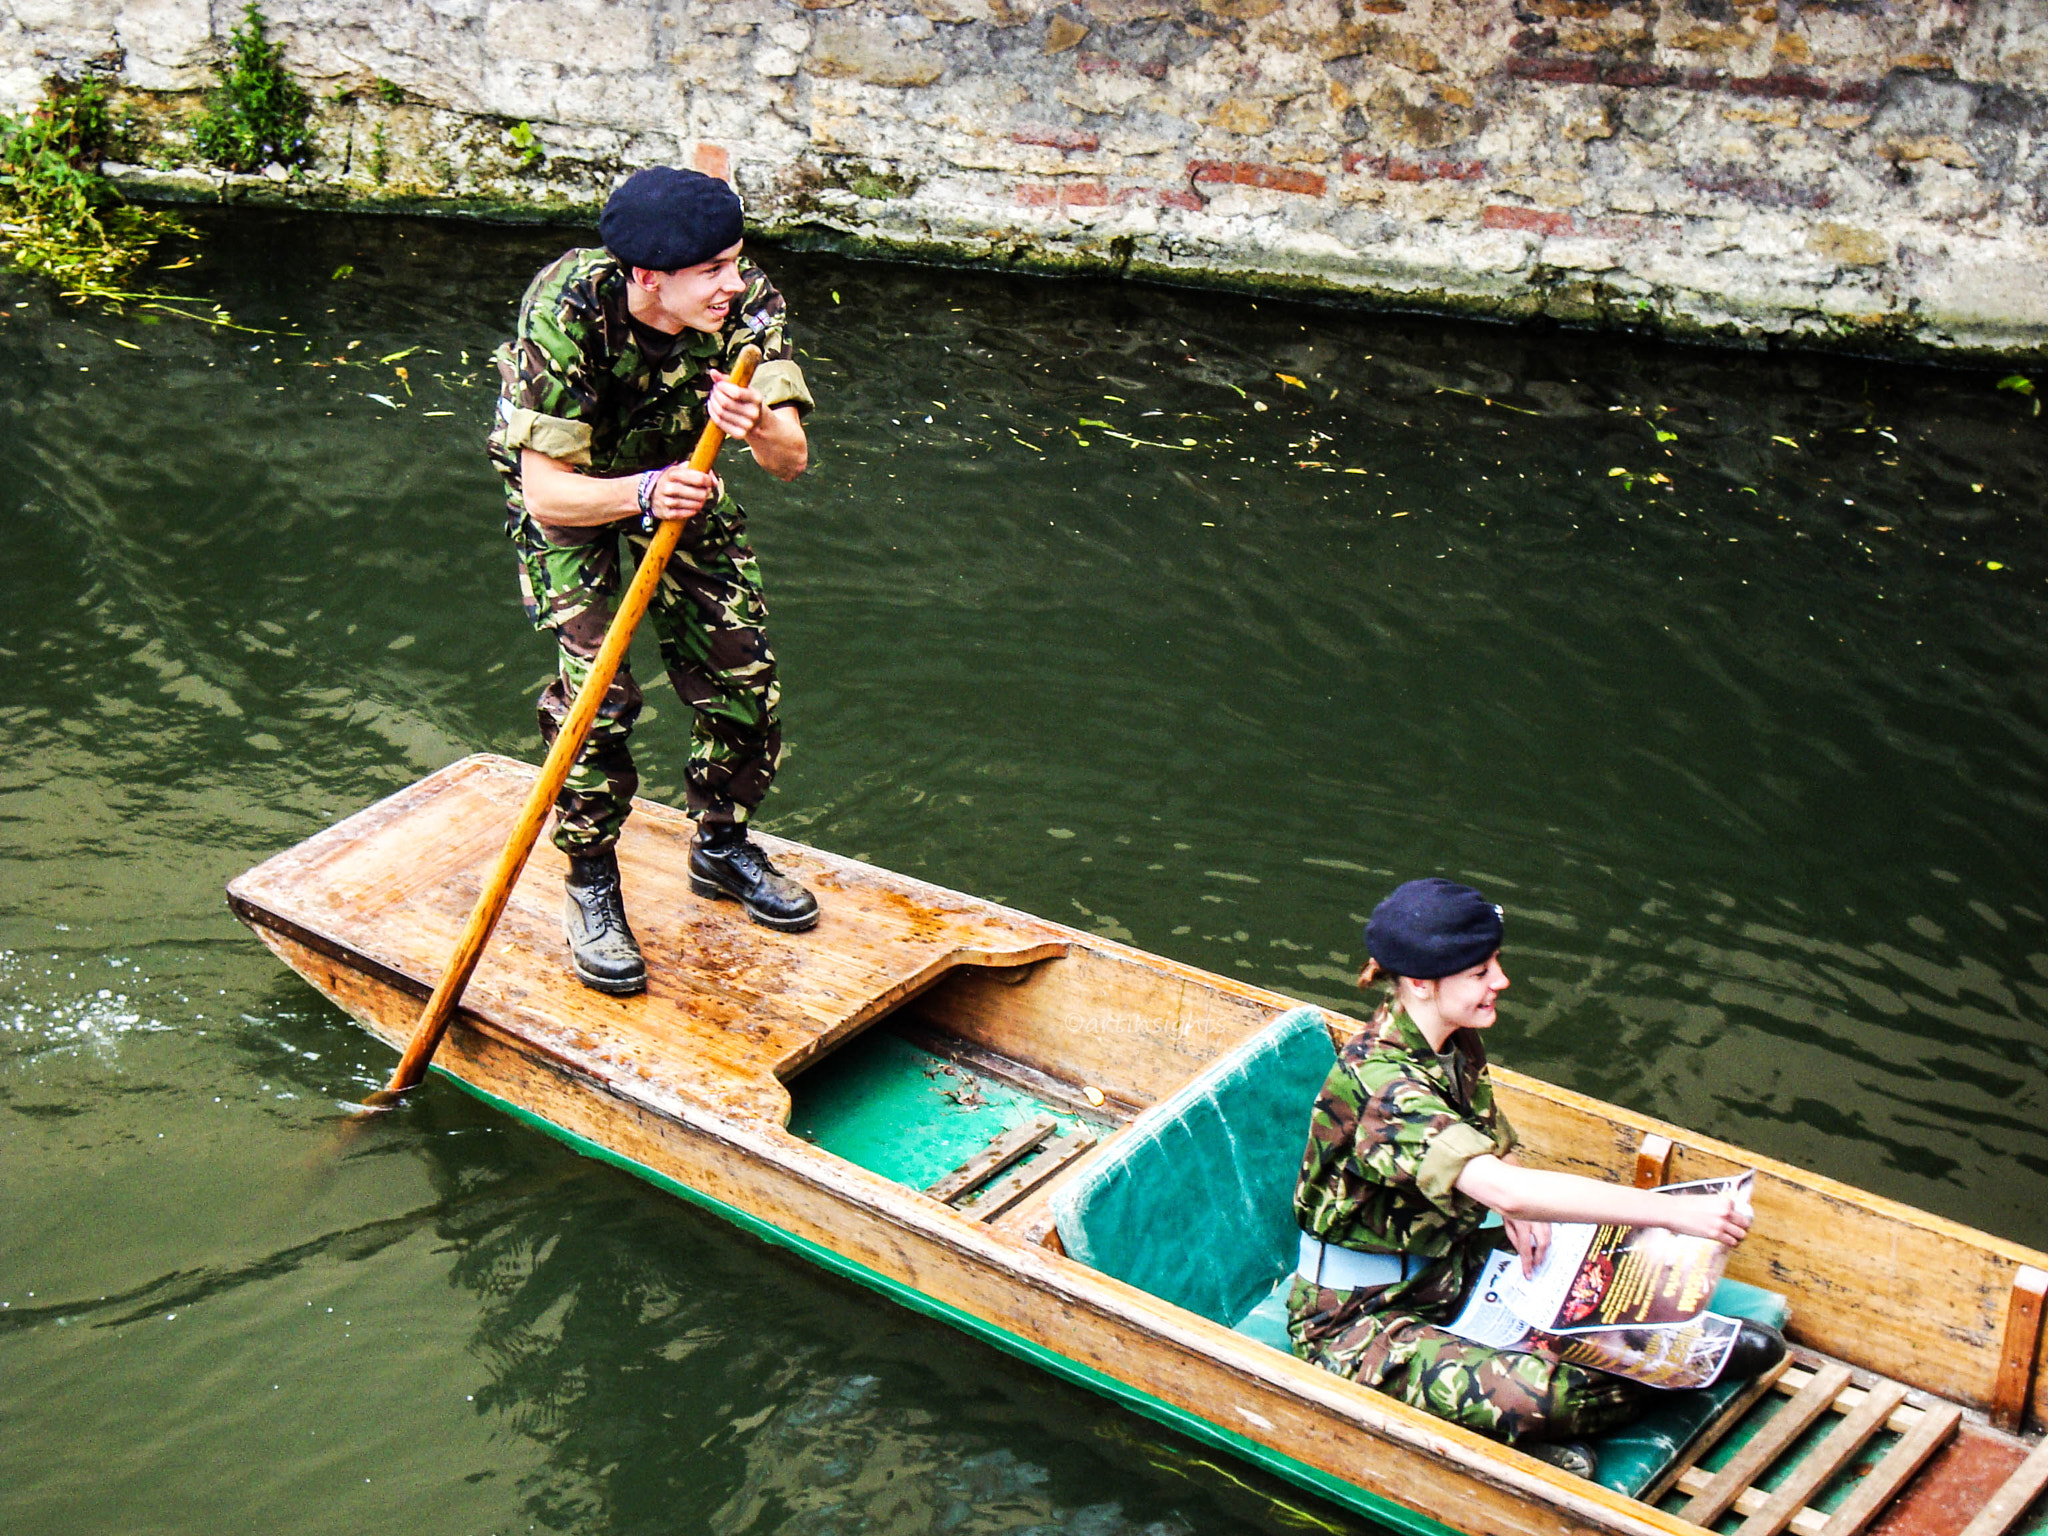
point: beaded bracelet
(645, 494)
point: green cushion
(1195, 1201)
(1634, 1457)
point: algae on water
(58, 215)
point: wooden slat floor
(1892, 1461)
(731, 1008)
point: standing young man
(619, 360)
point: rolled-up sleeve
(781, 382)
(554, 436)
(1449, 1150)
(550, 396)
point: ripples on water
(1754, 759)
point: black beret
(1429, 929)
(663, 219)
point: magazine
(1628, 1300)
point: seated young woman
(1407, 1156)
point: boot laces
(747, 858)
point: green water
(1758, 763)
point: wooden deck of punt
(1910, 1325)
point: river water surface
(1184, 619)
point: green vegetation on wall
(58, 215)
(258, 114)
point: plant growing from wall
(526, 144)
(257, 114)
(58, 215)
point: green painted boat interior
(908, 1113)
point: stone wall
(1860, 172)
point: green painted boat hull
(1350, 1496)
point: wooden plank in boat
(1058, 1153)
(2011, 1501)
(1819, 1466)
(731, 1008)
(1804, 1522)
(1954, 1485)
(1754, 1459)
(1902, 1463)
(992, 1159)
(1794, 1379)
(1713, 1431)
(2021, 1342)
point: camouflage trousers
(1508, 1394)
(709, 618)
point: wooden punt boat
(789, 1083)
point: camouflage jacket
(576, 386)
(1392, 1129)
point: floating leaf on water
(128, 344)
(2018, 383)
(385, 400)
(1288, 378)
(1785, 440)
(835, 295)
(1616, 471)
(1257, 405)
(1228, 385)
(1978, 486)
(1667, 437)
(1357, 471)
(342, 273)
(1187, 442)
(1994, 565)
(1090, 421)
(395, 356)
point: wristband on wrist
(645, 492)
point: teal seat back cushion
(1195, 1201)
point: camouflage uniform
(578, 388)
(1393, 1128)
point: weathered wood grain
(993, 1159)
(2005, 1507)
(1819, 1465)
(1765, 1446)
(1902, 1463)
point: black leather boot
(602, 950)
(726, 863)
(1757, 1348)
